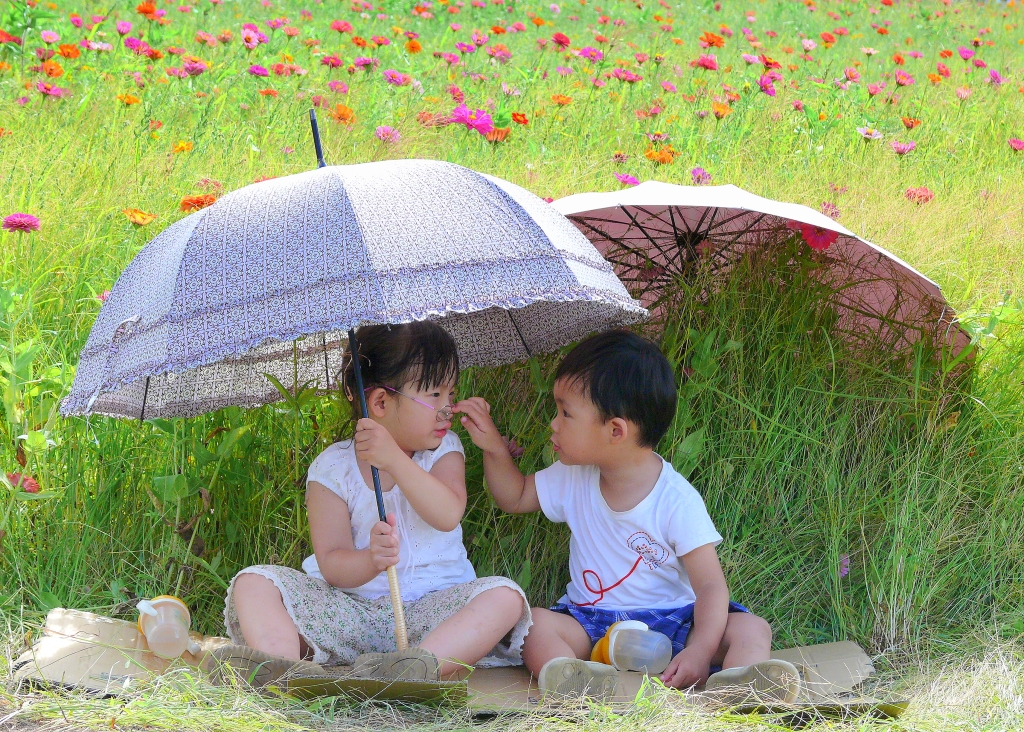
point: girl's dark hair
(421, 352)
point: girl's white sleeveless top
(429, 559)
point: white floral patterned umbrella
(270, 278)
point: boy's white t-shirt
(626, 560)
(429, 559)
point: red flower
(919, 195)
(27, 482)
(561, 40)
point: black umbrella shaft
(353, 345)
(316, 143)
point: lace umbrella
(270, 278)
(657, 233)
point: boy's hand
(688, 668)
(375, 445)
(384, 544)
(478, 423)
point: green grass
(805, 450)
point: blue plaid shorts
(673, 622)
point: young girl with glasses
(338, 610)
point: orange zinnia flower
(721, 110)
(343, 114)
(713, 40)
(194, 203)
(664, 156)
(53, 69)
(145, 8)
(128, 99)
(138, 216)
(497, 30)
(359, 41)
(519, 118)
(538, 22)
(561, 100)
(182, 146)
(910, 123)
(413, 46)
(498, 134)
(68, 50)
(268, 92)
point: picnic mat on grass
(109, 656)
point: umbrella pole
(316, 139)
(401, 634)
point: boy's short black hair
(627, 376)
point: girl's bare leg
(747, 640)
(470, 634)
(265, 623)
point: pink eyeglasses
(444, 414)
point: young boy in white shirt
(642, 544)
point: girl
(339, 611)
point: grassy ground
(812, 458)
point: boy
(642, 545)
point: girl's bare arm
(330, 528)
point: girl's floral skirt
(339, 626)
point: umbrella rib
(646, 235)
(515, 325)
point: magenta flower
(669, 87)
(798, 105)
(994, 77)
(626, 75)
(700, 176)
(902, 148)
(123, 27)
(465, 47)
(844, 565)
(50, 90)
(1017, 144)
(590, 53)
(851, 74)
(387, 134)
(876, 89)
(965, 53)
(257, 70)
(903, 78)
(21, 222)
(626, 179)
(766, 85)
(707, 61)
(751, 58)
(338, 87)
(397, 78)
(342, 26)
(333, 61)
(194, 67)
(365, 63)
(476, 119)
(830, 209)
(817, 238)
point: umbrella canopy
(270, 278)
(656, 233)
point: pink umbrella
(657, 233)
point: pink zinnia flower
(342, 26)
(257, 70)
(903, 78)
(476, 119)
(669, 87)
(707, 61)
(994, 78)
(49, 37)
(919, 195)
(103, 296)
(902, 148)
(338, 87)
(751, 58)
(387, 134)
(965, 53)
(869, 133)
(626, 179)
(50, 90)
(590, 53)
(700, 176)
(963, 93)
(766, 85)
(1016, 143)
(123, 27)
(332, 61)
(397, 78)
(817, 238)
(875, 89)
(194, 67)
(21, 222)
(851, 74)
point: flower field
(871, 499)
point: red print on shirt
(650, 553)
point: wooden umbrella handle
(401, 632)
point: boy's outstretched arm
(710, 614)
(512, 491)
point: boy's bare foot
(569, 677)
(412, 664)
(255, 667)
(773, 681)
